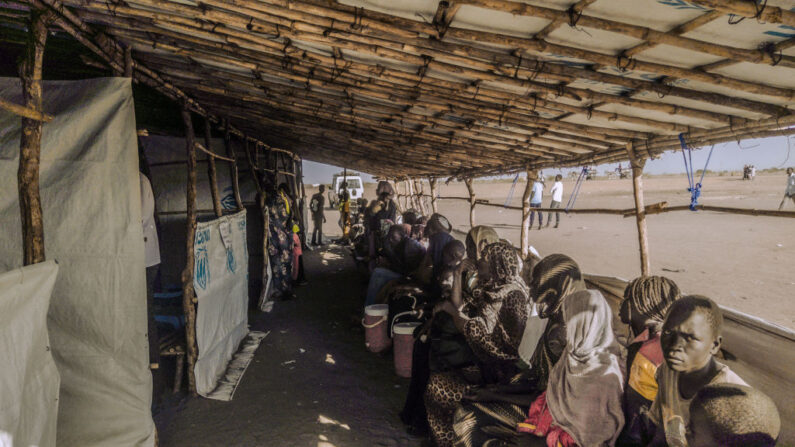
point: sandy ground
(292, 394)
(743, 262)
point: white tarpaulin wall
(92, 226)
(29, 380)
(221, 283)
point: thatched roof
(426, 87)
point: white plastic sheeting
(92, 226)
(221, 282)
(29, 380)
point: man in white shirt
(557, 197)
(535, 202)
(152, 258)
(789, 193)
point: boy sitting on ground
(690, 340)
(728, 415)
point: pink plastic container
(376, 336)
(404, 347)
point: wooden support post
(30, 142)
(471, 189)
(418, 191)
(233, 173)
(128, 62)
(188, 293)
(640, 210)
(532, 175)
(432, 182)
(211, 170)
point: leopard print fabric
(444, 392)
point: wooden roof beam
(767, 13)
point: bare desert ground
(743, 262)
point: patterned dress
(280, 246)
(494, 332)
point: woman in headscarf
(646, 301)
(493, 330)
(442, 331)
(582, 404)
(280, 241)
(553, 279)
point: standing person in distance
(345, 211)
(316, 205)
(535, 202)
(557, 197)
(789, 193)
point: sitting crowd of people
(513, 351)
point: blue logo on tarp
(202, 270)
(228, 201)
(231, 265)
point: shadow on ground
(311, 383)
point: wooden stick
(213, 155)
(528, 189)
(770, 14)
(24, 112)
(188, 292)
(472, 201)
(211, 169)
(637, 188)
(233, 174)
(30, 141)
(432, 182)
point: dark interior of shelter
(163, 281)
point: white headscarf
(586, 384)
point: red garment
(297, 252)
(539, 422)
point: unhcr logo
(202, 270)
(230, 260)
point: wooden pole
(211, 170)
(128, 62)
(30, 141)
(188, 292)
(233, 173)
(640, 210)
(432, 182)
(528, 189)
(468, 183)
(24, 112)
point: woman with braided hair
(646, 302)
(488, 411)
(492, 325)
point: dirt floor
(743, 262)
(312, 382)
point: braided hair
(651, 296)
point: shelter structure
(404, 90)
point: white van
(355, 188)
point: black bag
(449, 348)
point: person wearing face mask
(690, 339)
(646, 301)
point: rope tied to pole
(576, 191)
(694, 187)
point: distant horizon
(763, 153)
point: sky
(764, 153)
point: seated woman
(485, 409)
(646, 301)
(493, 331)
(582, 403)
(398, 258)
(438, 338)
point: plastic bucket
(376, 336)
(404, 347)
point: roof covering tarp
(220, 279)
(461, 87)
(29, 380)
(92, 225)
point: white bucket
(376, 336)
(404, 347)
